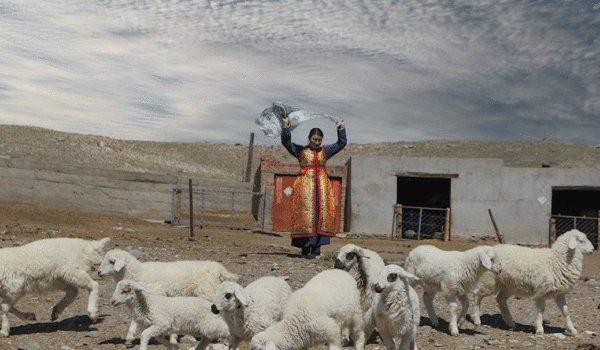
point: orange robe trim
(313, 204)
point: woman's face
(314, 142)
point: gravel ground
(253, 255)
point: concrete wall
(105, 191)
(481, 184)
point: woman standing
(313, 206)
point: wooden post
(496, 227)
(447, 226)
(191, 211)
(178, 196)
(249, 164)
(552, 230)
(398, 216)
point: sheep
(396, 307)
(540, 273)
(364, 265)
(161, 315)
(451, 272)
(178, 278)
(317, 313)
(47, 265)
(250, 310)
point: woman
(313, 207)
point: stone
(29, 346)
(593, 282)
(559, 336)
(491, 342)
(64, 347)
(590, 333)
(93, 334)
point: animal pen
(217, 208)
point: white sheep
(364, 265)
(250, 310)
(396, 307)
(451, 272)
(47, 265)
(538, 273)
(161, 315)
(178, 278)
(317, 313)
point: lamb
(48, 265)
(539, 273)
(315, 314)
(396, 307)
(364, 265)
(250, 310)
(161, 315)
(178, 278)
(453, 273)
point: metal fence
(213, 210)
(421, 223)
(560, 224)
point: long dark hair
(315, 131)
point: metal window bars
(560, 224)
(421, 223)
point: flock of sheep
(203, 299)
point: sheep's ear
(270, 345)
(361, 253)
(485, 260)
(138, 287)
(120, 263)
(239, 295)
(409, 276)
(573, 243)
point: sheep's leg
(161, 339)
(502, 299)
(357, 332)
(540, 305)
(453, 310)
(408, 342)
(234, 340)
(131, 332)
(476, 315)
(428, 301)
(388, 341)
(464, 302)
(203, 343)
(561, 302)
(6, 306)
(369, 322)
(154, 332)
(173, 338)
(81, 279)
(333, 334)
(71, 293)
(29, 316)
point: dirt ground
(253, 255)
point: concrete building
(522, 200)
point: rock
(92, 334)
(219, 346)
(425, 328)
(590, 333)
(438, 345)
(491, 342)
(29, 346)
(559, 336)
(64, 347)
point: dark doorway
(425, 192)
(576, 208)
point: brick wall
(270, 166)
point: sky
(394, 70)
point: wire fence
(218, 208)
(560, 224)
(421, 223)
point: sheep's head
(125, 291)
(348, 257)
(260, 341)
(391, 275)
(229, 295)
(113, 262)
(489, 259)
(576, 239)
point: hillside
(220, 161)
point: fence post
(191, 211)
(500, 240)
(552, 230)
(250, 151)
(178, 195)
(447, 226)
(398, 216)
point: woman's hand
(342, 125)
(286, 120)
